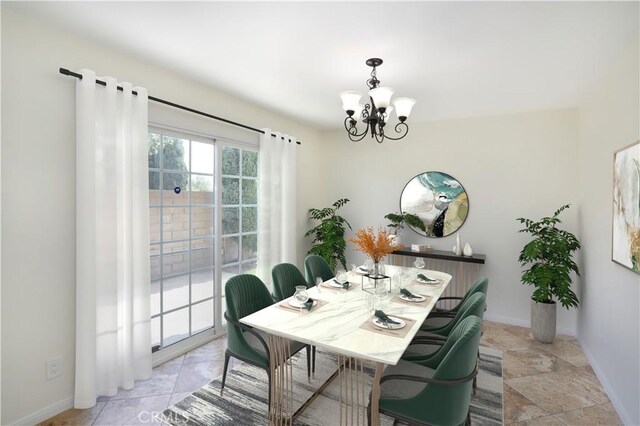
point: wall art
(439, 200)
(625, 246)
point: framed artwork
(625, 246)
(439, 200)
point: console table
(464, 269)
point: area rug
(244, 401)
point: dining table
(343, 322)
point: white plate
(293, 302)
(334, 283)
(417, 298)
(381, 324)
(361, 270)
(432, 281)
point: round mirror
(439, 200)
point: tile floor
(543, 384)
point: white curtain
(113, 332)
(276, 203)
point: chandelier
(376, 114)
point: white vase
(467, 251)
(457, 249)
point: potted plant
(375, 245)
(328, 236)
(549, 258)
(399, 220)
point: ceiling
(457, 59)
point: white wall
(510, 165)
(38, 194)
(609, 321)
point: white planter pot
(543, 321)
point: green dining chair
(473, 305)
(244, 295)
(315, 266)
(480, 285)
(285, 279)
(437, 390)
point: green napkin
(408, 293)
(425, 278)
(384, 317)
(308, 304)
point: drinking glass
(419, 263)
(319, 282)
(301, 296)
(341, 276)
(381, 269)
(380, 293)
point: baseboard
(617, 404)
(523, 323)
(45, 413)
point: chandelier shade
(375, 114)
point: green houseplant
(399, 220)
(549, 258)
(328, 236)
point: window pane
(202, 284)
(230, 161)
(249, 163)
(249, 219)
(175, 223)
(154, 150)
(249, 268)
(230, 191)
(155, 331)
(202, 316)
(155, 264)
(230, 250)
(202, 257)
(175, 258)
(175, 154)
(155, 297)
(202, 190)
(154, 224)
(176, 188)
(249, 191)
(249, 246)
(201, 221)
(175, 292)
(154, 181)
(175, 326)
(201, 157)
(230, 220)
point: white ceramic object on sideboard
(467, 251)
(457, 249)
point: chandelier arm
(355, 137)
(402, 134)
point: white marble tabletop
(335, 326)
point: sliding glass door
(202, 195)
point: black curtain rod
(65, 71)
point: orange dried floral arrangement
(375, 245)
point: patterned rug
(245, 396)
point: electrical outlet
(53, 368)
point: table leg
(375, 394)
(281, 383)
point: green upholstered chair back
(474, 305)
(244, 295)
(315, 266)
(448, 404)
(459, 362)
(285, 279)
(480, 285)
